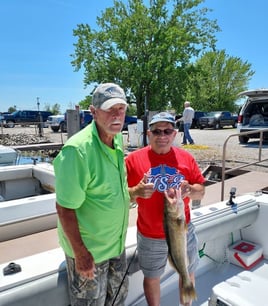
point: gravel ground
(208, 148)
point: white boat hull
(43, 281)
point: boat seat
(27, 216)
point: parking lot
(208, 143)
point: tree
(84, 104)
(145, 49)
(217, 80)
(12, 109)
(55, 109)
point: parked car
(2, 120)
(129, 120)
(56, 123)
(195, 122)
(253, 114)
(25, 117)
(217, 120)
(85, 118)
(197, 115)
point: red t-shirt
(165, 168)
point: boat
(27, 200)
(8, 156)
(233, 266)
(233, 247)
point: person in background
(91, 190)
(187, 118)
(150, 171)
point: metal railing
(224, 171)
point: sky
(37, 41)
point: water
(23, 160)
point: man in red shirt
(152, 170)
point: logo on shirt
(164, 177)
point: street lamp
(38, 103)
(39, 118)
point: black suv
(195, 122)
(253, 114)
(25, 117)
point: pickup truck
(56, 123)
(217, 120)
(26, 117)
(59, 122)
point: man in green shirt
(93, 201)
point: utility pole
(145, 121)
(39, 118)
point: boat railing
(246, 164)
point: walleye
(176, 230)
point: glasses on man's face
(158, 132)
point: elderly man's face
(161, 136)
(110, 121)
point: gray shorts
(152, 253)
(103, 288)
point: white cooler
(244, 289)
(245, 254)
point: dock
(39, 146)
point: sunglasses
(158, 132)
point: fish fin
(188, 292)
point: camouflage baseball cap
(108, 94)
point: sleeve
(133, 178)
(70, 178)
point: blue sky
(37, 40)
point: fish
(176, 230)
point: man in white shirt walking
(187, 118)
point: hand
(185, 189)
(85, 265)
(172, 195)
(143, 189)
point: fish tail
(188, 293)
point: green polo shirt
(90, 177)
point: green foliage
(145, 48)
(12, 109)
(216, 80)
(132, 110)
(55, 109)
(84, 104)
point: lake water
(22, 160)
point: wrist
(132, 194)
